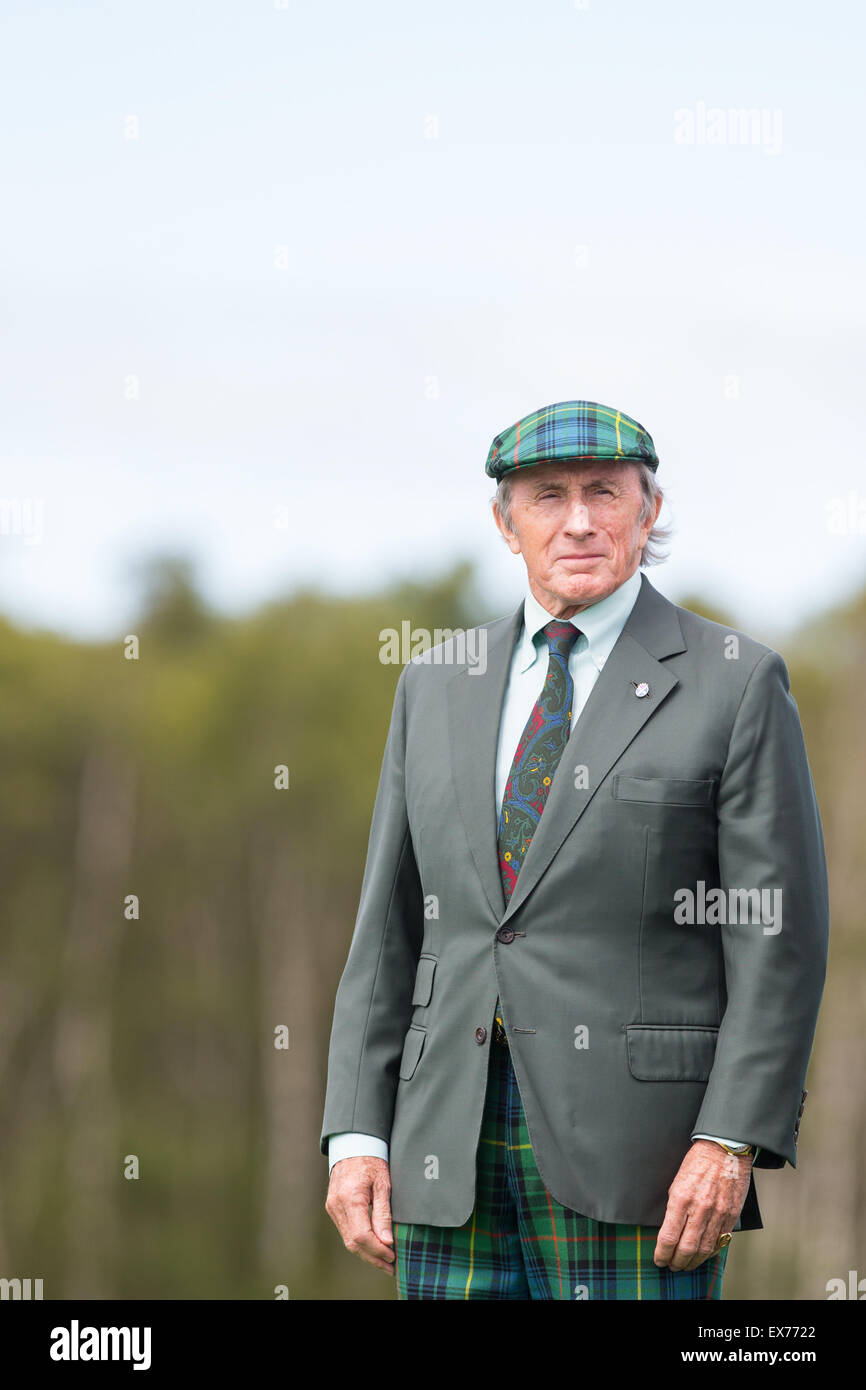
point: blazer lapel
(474, 713)
(612, 716)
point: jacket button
(505, 935)
(480, 1036)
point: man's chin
(588, 585)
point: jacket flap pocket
(424, 979)
(672, 791)
(659, 1052)
(412, 1049)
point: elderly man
(582, 989)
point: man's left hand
(704, 1199)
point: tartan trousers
(519, 1243)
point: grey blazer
(630, 1028)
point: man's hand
(704, 1199)
(355, 1185)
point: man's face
(578, 528)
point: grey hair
(653, 552)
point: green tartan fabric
(566, 431)
(519, 1243)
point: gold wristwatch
(741, 1150)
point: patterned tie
(538, 753)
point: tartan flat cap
(567, 431)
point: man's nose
(577, 521)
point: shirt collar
(600, 624)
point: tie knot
(561, 637)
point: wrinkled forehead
(582, 473)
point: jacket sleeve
(769, 839)
(373, 1006)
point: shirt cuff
(732, 1143)
(346, 1145)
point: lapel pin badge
(641, 689)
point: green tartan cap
(567, 431)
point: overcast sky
(273, 276)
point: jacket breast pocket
(662, 1052)
(424, 979)
(413, 1046)
(667, 791)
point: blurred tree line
(145, 1035)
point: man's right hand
(355, 1185)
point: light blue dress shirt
(600, 626)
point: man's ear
(510, 537)
(648, 525)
